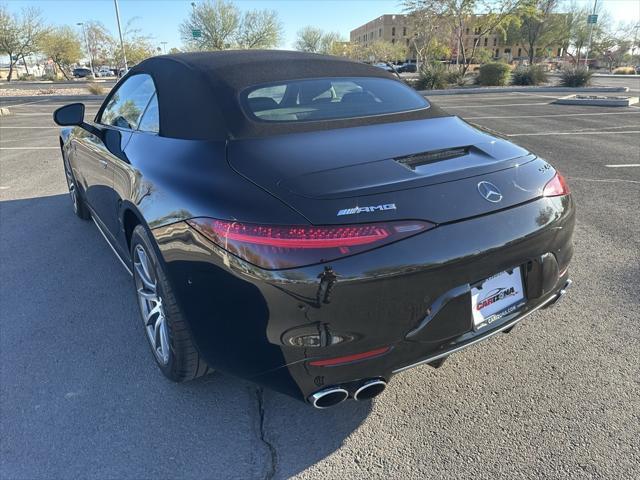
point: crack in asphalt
(273, 460)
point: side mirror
(72, 114)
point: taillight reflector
(332, 362)
(287, 246)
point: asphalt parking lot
(559, 397)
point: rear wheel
(164, 324)
(79, 207)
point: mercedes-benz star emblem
(490, 192)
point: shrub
(433, 76)
(95, 89)
(456, 78)
(25, 76)
(624, 71)
(494, 74)
(575, 77)
(533, 75)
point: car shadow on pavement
(82, 396)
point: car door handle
(104, 163)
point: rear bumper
(412, 296)
(506, 324)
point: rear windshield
(330, 98)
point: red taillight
(332, 362)
(286, 246)
(556, 186)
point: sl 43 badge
(370, 209)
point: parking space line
(555, 97)
(557, 115)
(581, 132)
(444, 105)
(29, 148)
(624, 165)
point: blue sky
(160, 18)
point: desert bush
(575, 77)
(25, 76)
(433, 76)
(456, 78)
(532, 75)
(494, 74)
(95, 89)
(624, 71)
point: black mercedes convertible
(311, 223)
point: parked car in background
(383, 66)
(407, 68)
(82, 72)
(104, 72)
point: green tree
(382, 51)
(62, 45)
(539, 27)
(483, 17)
(19, 35)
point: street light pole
(86, 44)
(164, 47)
(124, 54)
(586, 57)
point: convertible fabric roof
(198, 93)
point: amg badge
(372, 208)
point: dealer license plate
(496, 297)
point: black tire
(79, 206)
(184, 362)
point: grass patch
(624, 71)
(95, 89)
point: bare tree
(100, 42)
(220, 25)
(309, 39)
(259, 29)
(315, 40)
(469, 17)
(217, 22)
(19, 35)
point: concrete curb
(466, 91)
(597, 101)
(49, 98)
(4, 111)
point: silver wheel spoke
(151, 305)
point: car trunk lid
(426, 169)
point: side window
(150, 121)
(126, 105)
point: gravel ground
(559, 397)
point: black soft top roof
(198, 93)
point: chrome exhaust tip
(561, 293)
(369, 389)
(328, 397)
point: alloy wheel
(151, 306)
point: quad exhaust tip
(370, 389)
(328, 397)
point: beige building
(388, 28)
(396, 29)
